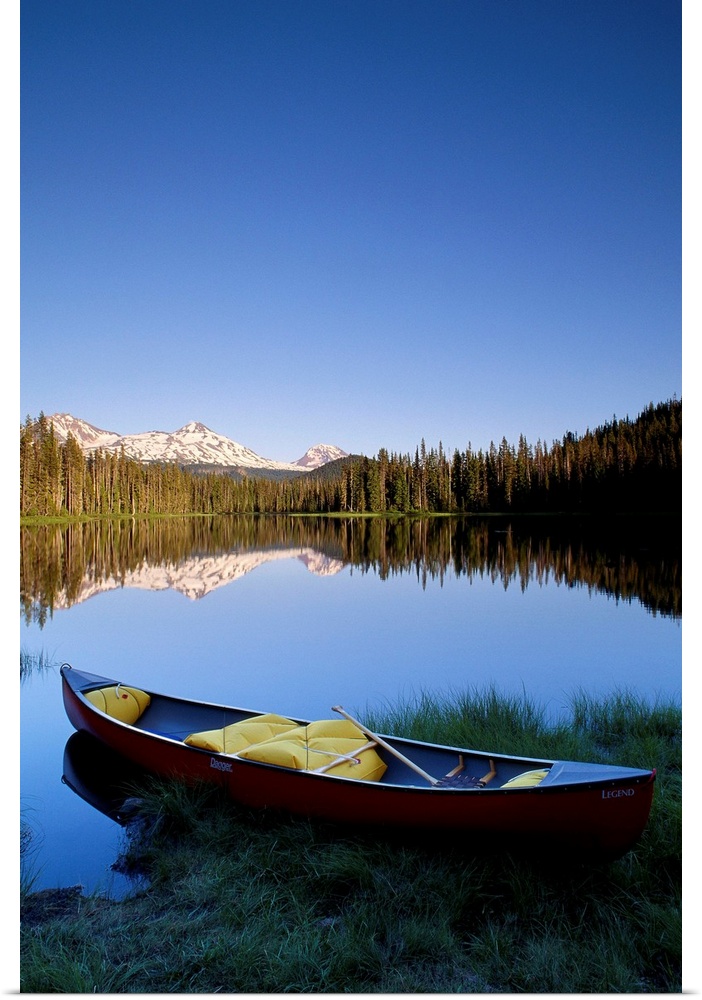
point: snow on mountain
(193, 444)
(88, 437)
(320, 454)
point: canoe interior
(176, 718)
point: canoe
(337, 771)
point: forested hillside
(624, 465)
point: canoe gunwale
(626, 777)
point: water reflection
(628, 558)
(406, 606)
(102, 778)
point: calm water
(297, 615)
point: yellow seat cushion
(239, 735)
(120, 702)
(527, 780)
(273, 739)
(333, 729)
(308, 748)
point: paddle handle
(391, 749)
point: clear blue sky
(363, 222)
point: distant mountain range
(192, 445)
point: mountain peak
(193, 444)
(89, 437)
(320, 454)
(194, 427)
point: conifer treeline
(624, 465)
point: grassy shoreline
(238, 902)
(34, 520)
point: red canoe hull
(603, 818)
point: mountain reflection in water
(628, 558)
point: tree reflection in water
(631, 559)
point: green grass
(255, 903)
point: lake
(294, 615)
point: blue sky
(363, 222)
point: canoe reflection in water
(101, 777)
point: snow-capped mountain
(193, 444)
(320, 454)
(88, 437)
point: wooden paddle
(381, 742)
(353, 758)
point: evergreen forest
(628, 465)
